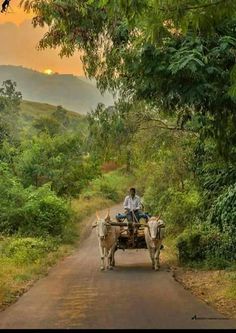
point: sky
(18, 42)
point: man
(132, 206)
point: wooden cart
(132, 234)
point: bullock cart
(124, 235)
(132, 234)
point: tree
(10, 100)
(169, 53)
(111, 131)
(58, 160)
(61, 116)
(47, 125)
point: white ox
(154, 234)
(107, 240)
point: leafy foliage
(9, 110)
(34, 212)
(223, 212)
(206, 245)
(57, 160)
(26, 250)
(110, 186)
(169, 53)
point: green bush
(57, 160)
(223, 212)
(190, 247)
(12, 200)
(179, 208)
(31, 211)
(45, 213)
(26, 250)
(206, 245)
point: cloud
(18, 47)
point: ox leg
(107, 252)
(156, 258)
(113, 263)
(102, 254)
(112, 256)
(153, 258)
(151, 253)
(109, 266)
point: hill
(32, 111)
(72, 92)
(37, 110)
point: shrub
(179, 208)
(190, 247)
(27, 250)
(30, 211)
(207, 245)
(223, 212)
(12, 200)
(45, 213)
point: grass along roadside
(19, 271)
(24, 260)
(215, 287)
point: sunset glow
(16, 30)
(48, 72)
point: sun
(48, 71)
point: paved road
(76, 294)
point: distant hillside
(32, 111)
(74, 93)
(37, 110)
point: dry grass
(15, 278)
(84, 207)
(215, 287)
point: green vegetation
(49, 181)
(174, 126)
(23, 260)
(34, 110)
(172, 130)
(111, 186)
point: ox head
(153, 225)
(102, 225)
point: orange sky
(18, 40)
(15, 14)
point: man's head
(132, 192)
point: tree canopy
(170, 54)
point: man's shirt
(132, 203)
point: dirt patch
(216, 288)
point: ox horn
(98, 217)
(108, 215)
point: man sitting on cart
(132, 206)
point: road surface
(76, 294)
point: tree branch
(176, 129)
(198, 7)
